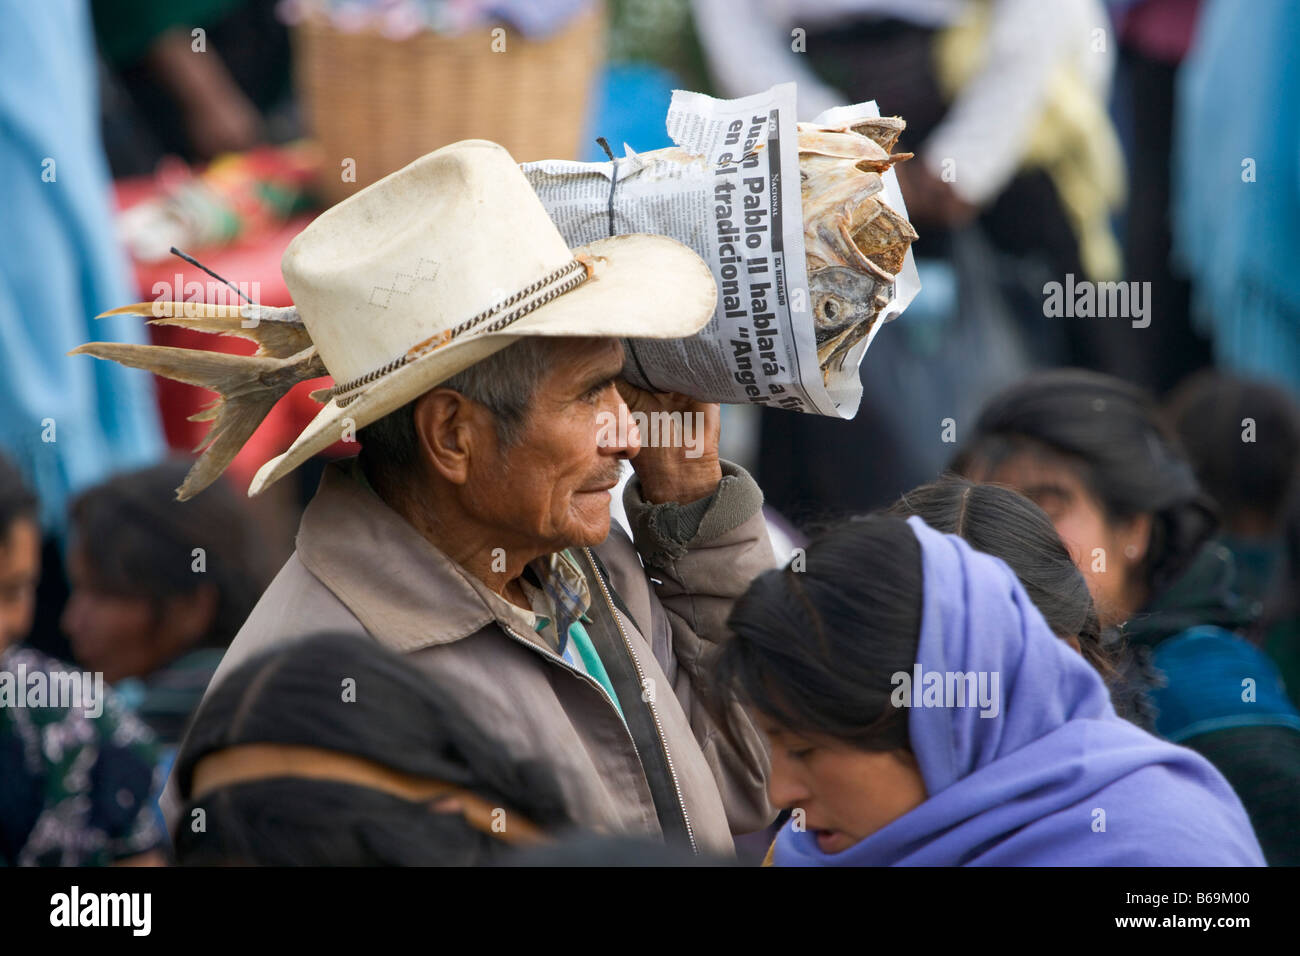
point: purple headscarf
(1055, 777)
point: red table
(255, 260)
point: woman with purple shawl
(921, 712)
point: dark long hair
(17, 502)
(1007, 525)
(1208, 411)
(1259, 478)
(396, 717)
(814, 649)
(1110, 433)
(139, 542)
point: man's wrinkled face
(552, 488)
(20, 571)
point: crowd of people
(1067, 636)
(1138, 681)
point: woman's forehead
(1025, 463)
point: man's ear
(447, 426)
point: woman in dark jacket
(1090, 451)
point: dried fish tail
(248, 387)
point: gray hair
(504, 383)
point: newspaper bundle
(730, 190)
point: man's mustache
(606, 477)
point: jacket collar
(1203, 594)
(405, 592)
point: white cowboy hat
(449, 260)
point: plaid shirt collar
(564, 596)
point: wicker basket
(384, 103)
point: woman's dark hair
(16, 499)
(1007, 525)
(814, 645)
(391, 714)
(1110, 434)
(1250, 480)
(1209, 412)
(139, 542)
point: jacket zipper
(672, 772)
(586, 677)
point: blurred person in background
(190, 78)
(1154, 38)
(1243, 439)
(1237, 185)
(1007, 525)
(837, 661)
(78, 779)
(159, 589)
(331, 751)
(1092, 453)
(20, 555)
(1004, 102)
(65, 424)
(1017, 172)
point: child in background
(79, 782)
(159, 588)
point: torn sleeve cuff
(664, 532)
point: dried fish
(854, 243)
(881, 130)
(884, 237)
(247, 386)
(842, 297)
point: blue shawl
(1054, 778)
(1236, 190)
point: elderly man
(478, 359)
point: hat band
(564, 279)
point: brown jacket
(360, 568)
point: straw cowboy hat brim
(642, 286)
